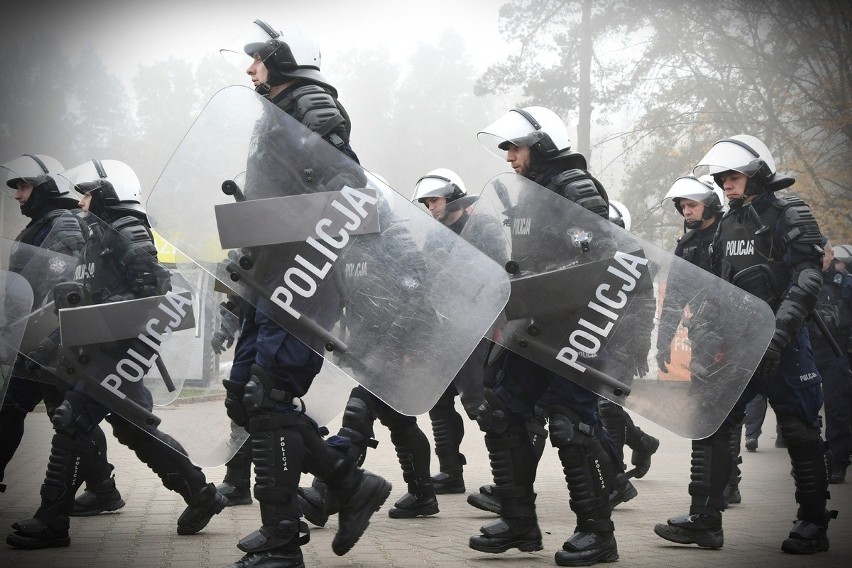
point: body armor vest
(750, 256)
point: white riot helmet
(538, 128)
(114, 186)
(619, 214)
(843, 253)
(703, 190)
(749, 156)
(440, 182)
(287, 54)
(42, 173)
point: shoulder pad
(799, 221)
(580, 187)
(133, 232)
(314, 107)
(687, 236)
(66, 234)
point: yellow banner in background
(166, 252)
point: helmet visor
(240, 51)
(511, 128)
(433, 186)
(727, 155)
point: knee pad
(71, 415)
(261, 396)
(493, 415)
(797, 433)
(567, 429)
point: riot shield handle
(307, 325)
(230, 187)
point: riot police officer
(363, 408)
(537, 146)
(771, 248)
(616, 420)
(444, 194)
(46, 200)
(118, 262)
(272, 368)
(700, 202)
(834, 306)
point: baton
(815, 315)
(167, 379)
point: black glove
(664, 358)
(222, 340)
(641, 367)
(40, 355)
(234, 405)
(769, 365)
(771, 361)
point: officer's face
(437, 206)
(692, 210)
(826, 260)
(734, 184)
(23, 192)
(519, 158)
(257, 71)
(85, 201)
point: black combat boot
(274, 545)
(361, 494)
(485, 499)
(513, 464)
(622, 491)
(236, 486)
(808, 537)
(49, 526)
(447, 431)
(588, 548)
(506, 533)
(317, 502)
(810, 464)
(420, 501)
(644, 446)
(412, 451)
(588, 470)
(703, 529)
(201, 507)
(97, 499)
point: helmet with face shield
(42, 174)
(286, 54)
(703, 190)
(113, 185)
(538, 128)
(747, 155)
(440, 182)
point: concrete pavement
(142, 534)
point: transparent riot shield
(586, 301)
(16, 305)
(42, 269)
(307, 223)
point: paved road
(143, 533)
